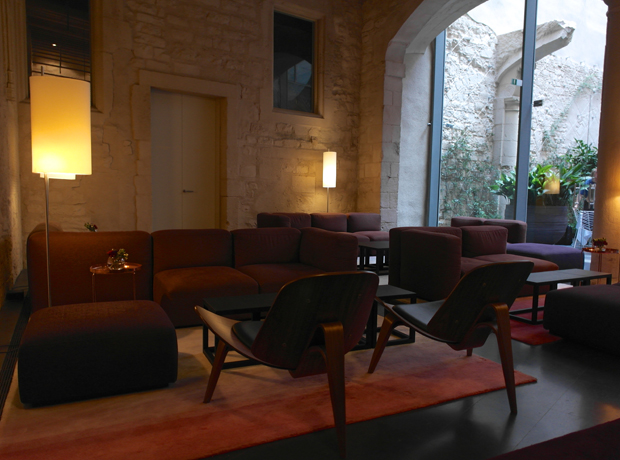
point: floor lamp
(61, 141)
(329, 172)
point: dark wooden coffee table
(382, 251)
(256, 305)
(573, 276)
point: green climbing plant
(464, 182)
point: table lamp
(329, 172)
(61, 141)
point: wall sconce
(329, 172)
(61, 140)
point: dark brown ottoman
(80, 351)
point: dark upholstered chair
(477, 306)
(589, 315)
(313, 322)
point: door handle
(188, 191)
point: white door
(184, 160)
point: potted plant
(549, 197)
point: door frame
(227, 99)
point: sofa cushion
(333, 221)
(184, 248)
(374, 235)
(180, 289)
(466, 221)
(483, 240)
(363, 221)
(328, 251)
(271, 277)
(540, 265)
(266, 246)
(71, 256)
(517, 229)
(565, 257)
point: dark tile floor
(577, 388)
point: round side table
(130, 268)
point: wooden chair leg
(334, 359)
(389, 323)
(504, 343)
(470, 351)
(216, 369)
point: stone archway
(411, 43)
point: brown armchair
(312, 323)
(477, 306)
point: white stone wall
(222, 48)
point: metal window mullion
(525, 110)
(436, 125)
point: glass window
(293, 63)
(59, 37)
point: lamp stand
(327, 199)
(47, 237)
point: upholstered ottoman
(586, 314)
(80, 351)
(563, 256)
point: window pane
(481, 109)
(565, 120)
(293, 57)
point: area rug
(251, 405)
(532, 334)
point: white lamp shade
(60, 126)
(329, 169)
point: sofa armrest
(430, 263)
(329, 251)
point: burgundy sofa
(431, 260)
(564, 257)
(181, 267)
(366, 226)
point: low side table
(382, 249)
(130, 268)
(604, 261)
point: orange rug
(532, 334)
(251, 405)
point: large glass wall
(482, 96)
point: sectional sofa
(431, 260)
(181, 267)
(366, 226)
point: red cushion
(266, 246)
(333, 221)
(179, 290)
(466, 221)
(271, 277)
(374, 235)
(483, 240)
(191, 248)
(363, 221)
(517, 229)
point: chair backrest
(467, 303)
(292, 324)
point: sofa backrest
(484, 240)
(283, 219)
(332, 221)
(363, 222)
(329, 251)
(71, 256)
(183, 248)
(463, 221)
(265, 245)
(395, 247)
(517, 229)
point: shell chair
(313, 322)
(477, 306)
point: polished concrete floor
(577, 387)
